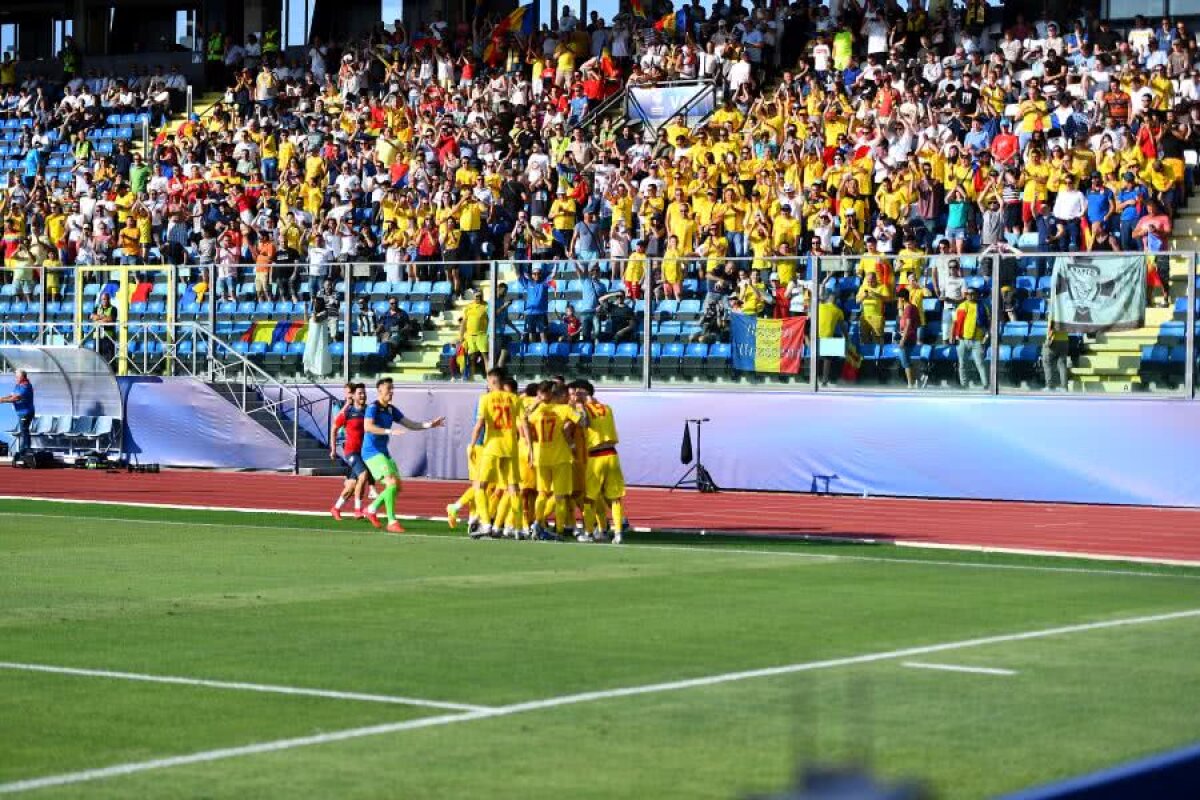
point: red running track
(1106, 531)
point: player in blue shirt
(22, 400)
(377, 428)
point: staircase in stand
(1112, 362)
(419, 361)
(311, 455)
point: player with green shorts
(377, 427)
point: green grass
(302, 601)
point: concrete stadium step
(1106, 386)
(312, 457)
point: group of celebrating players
(547, 453)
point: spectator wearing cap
(535, 282)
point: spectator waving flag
(519, 21)
(672, 23)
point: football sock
(481, 506)
(618, 514)
(466, 498)
(589, 517)
(341, 501)
(389, 501)
(357, 503)
(541, 510)
(502, 511)
(562, 514)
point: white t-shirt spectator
(821, 54)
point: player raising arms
(377, 426)
(604, 479)
(550, 429)
(351, 420)
(497, 420)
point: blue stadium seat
(337, 349)
(1034, 307)
(720, 360)
(137, 309)
(1027, 283)
(689, 310)
(602, 357)
(580, 356)
(666, 310)
(1014, 332)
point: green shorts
(382, 466)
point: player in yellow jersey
(528, 478)
(497, 422)
(550, 429)
(604, 480)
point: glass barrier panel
(731, 320)
(569, 317)
(20, 304)
(904, 320)
(414, 321)
(1094, 323)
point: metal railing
(994, 270)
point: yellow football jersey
(550, 443)
(499, 411)
(601, 427)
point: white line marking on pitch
(571, 699)
(714, 550)
(240, 686)
(958, 668)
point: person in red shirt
(1006, 145)
(358, 477)
(908, 323)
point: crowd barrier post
(1189, 371)
(347, 320)
(41, 337)
(211, 278)
(493, 334)
(994, 325)
(172, 317)
(814, 312)
(296, 432)
(647, 319)
(188, 106)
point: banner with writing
(768, 345)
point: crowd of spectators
(911, 139)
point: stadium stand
(415, 164)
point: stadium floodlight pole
(994, 328)
(1189, 369)
(188, 105)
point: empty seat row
(64, 432)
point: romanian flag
(672, 23)
(518, 21)
(768, 345)
(608, 67)
(638, 8)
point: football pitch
(187, 654)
